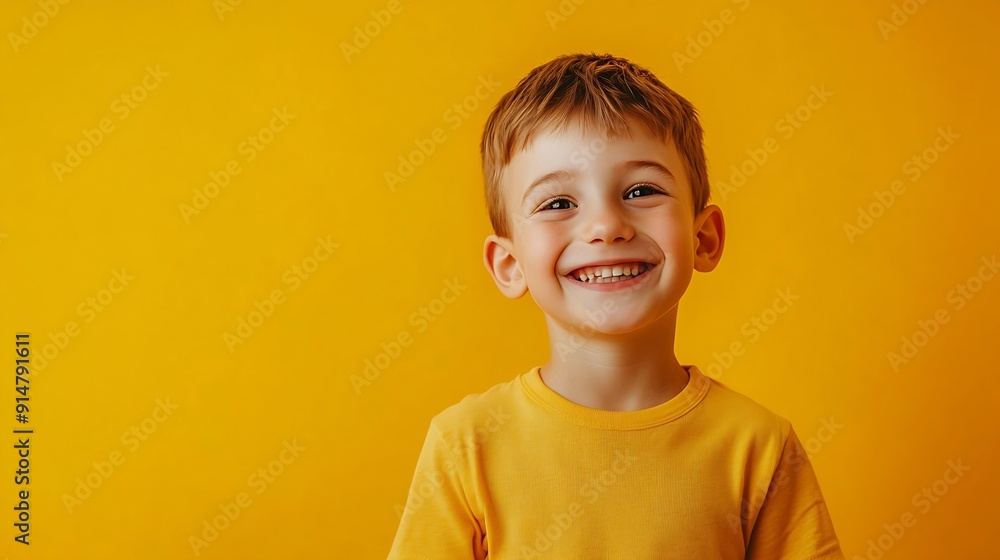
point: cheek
(540, 251)
(673, 237)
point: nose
(607, 222)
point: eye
(548, 205)
(641, 187)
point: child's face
(576, 199)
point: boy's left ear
(710, 237)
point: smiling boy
(597, 190)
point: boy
(597, 190)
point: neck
(624, 372)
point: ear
(503, 266)
(710, 237)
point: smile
(609, 274)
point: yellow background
(323, 176)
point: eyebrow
(641, 165)
(563, 175)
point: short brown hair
(602, 90)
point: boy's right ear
(503, 266)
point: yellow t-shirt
(520, 472)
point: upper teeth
(588, 273)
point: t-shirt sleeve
(793, 522)
(437, 521)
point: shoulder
(479, 412)
(740, 414)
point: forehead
(584, 149)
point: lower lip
(612, 286)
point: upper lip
(611, 262)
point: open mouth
(610, 273)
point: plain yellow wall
(172, 170)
